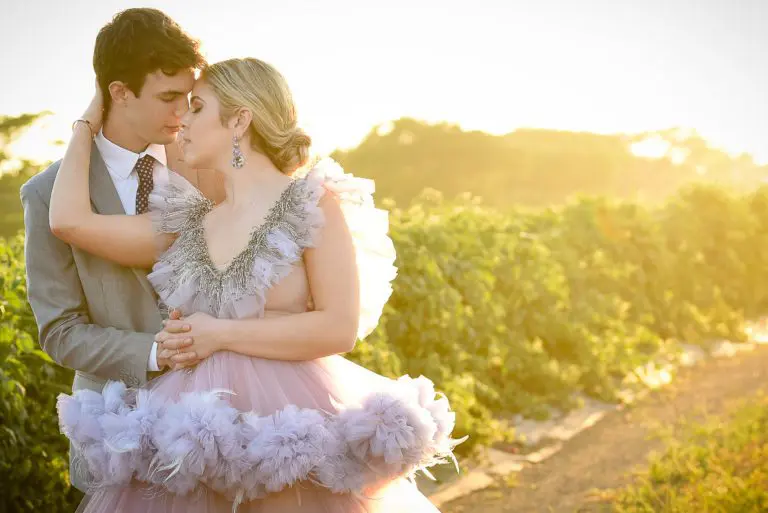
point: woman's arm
(127, 240)
(329, 329)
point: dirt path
(602, 458)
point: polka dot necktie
(143, 168)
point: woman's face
(206, 143)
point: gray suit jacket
(93, 316)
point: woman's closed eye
(195, 105)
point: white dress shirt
(120, 163)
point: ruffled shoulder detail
(177, 205)
(369, 226)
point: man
(95, 316)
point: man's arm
(61, 311)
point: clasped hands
(185, 342)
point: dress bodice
(269, 273)
(186, 278)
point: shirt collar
(120, 161)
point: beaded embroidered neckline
(256, 239)
(191, 260)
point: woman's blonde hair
(259, 87)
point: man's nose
(181, 108)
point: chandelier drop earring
(238, 159)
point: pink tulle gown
(246, 434)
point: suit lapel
(103, 193)
(106, 201)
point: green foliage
(34, 467)
(33, 455)
(716, 467)
(13, 173)
(11, 213)
(511, 313)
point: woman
(259, 412)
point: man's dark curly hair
(138, 42)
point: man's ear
(119, 92)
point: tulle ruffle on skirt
(260, 435)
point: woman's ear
(243, 118)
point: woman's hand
(204, 331)
(164, 355)
(94, 114)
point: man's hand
(164, 358)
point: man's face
(155, 115)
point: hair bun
(294, 153)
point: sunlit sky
(494, 65)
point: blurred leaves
(515, 312)
(34, 466)
(715, 466)
(540, 168)
(14, 173)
